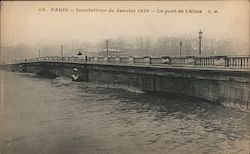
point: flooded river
(58, 116)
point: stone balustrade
(242, 62)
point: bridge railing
(241, 62)
(238, 62)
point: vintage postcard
(124, 77)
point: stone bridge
(219, 79)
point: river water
(58, 116)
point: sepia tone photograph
(125, 77)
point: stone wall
(231, 88)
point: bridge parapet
(240, 61)
(233, 62)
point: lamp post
(180, 46)
(107, 46)
(61, 50)
(39, 53)
(117, 53)
(200, 36)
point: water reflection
(60, 116)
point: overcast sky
(22, 22)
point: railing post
(238, 62)
(117, 60)
(147, 60)
(131, 60)
(247, 62)
(226, 62)
(106, 59)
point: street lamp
(200, 36)
(61, 51)
(39, 53)
(107, 46)
(180, 46)
(117, 53)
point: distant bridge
(220, 79)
